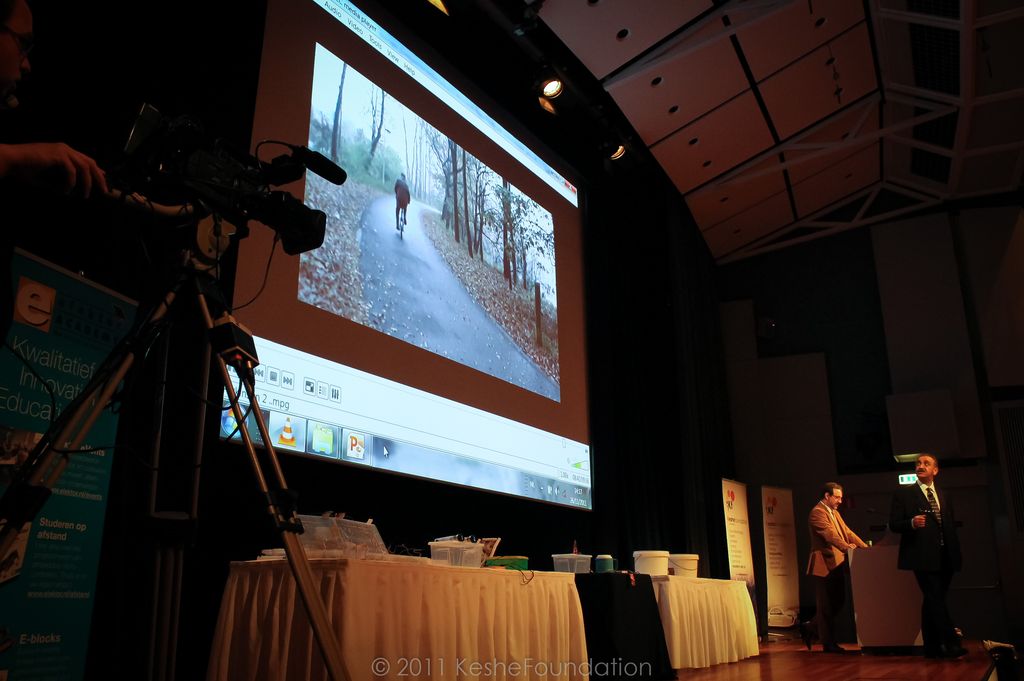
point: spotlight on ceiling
(547, 105)
(617, 153)
(551, 87)
(440, 5)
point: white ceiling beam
(818, 224)
(869, 102)
(838, 203)
(994, 149)
(998, 17)
(884, 217)
(924, 94)
(754, 250)
(875, 191)
(1005, 189)
(923, 19)
(963, 122)
(907, 191)
(908, 99)
(925, 146)
(998, 97)
(910, 186)
(812, 220)
(887, 130)
(819, 149)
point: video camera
(176, 161)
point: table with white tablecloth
(706, 621)
(400, 619)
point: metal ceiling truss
(920, 192)
(963, 123)
(856, 136)
(773, 241)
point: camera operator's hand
(54, 165)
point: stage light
(551, 87)
(547, 105)
(440, 5)
(618, 153)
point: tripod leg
(287, 526)
(23, 500)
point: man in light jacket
(828, 567)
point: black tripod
(234, 348)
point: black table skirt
(625, 639)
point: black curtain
(659, 404)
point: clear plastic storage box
(571, 562)
(319, 533)
(457, 553)
(338, 537)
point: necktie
(835, 524)
(935, 512)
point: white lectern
(886, 600)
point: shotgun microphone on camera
(319, 164)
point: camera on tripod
(175, 161)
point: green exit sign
(908, 478)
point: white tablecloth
(706, 621)
(401, 620)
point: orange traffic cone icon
(287, 437)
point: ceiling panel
(664, 97)
(716, 203)
(752, 224)
(837, 181)
(805, 92)
(795, 30)
(605, 34)
(715, 143)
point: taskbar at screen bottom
(346, 445)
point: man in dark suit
(926, 521)
(828, 567)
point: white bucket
(651, 562)
(683, 564)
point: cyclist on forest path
(402, 199)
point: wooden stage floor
(789, 660)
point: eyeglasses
(24, 41)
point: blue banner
(64, 327)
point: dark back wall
(659, 418)
(822, 296)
